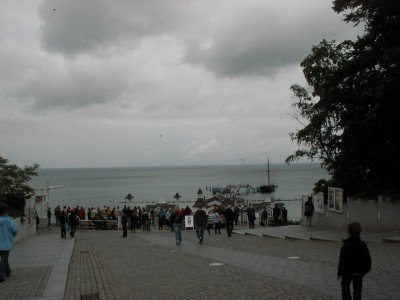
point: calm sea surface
(109, 186)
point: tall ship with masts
(268, 187)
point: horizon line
(175, 166)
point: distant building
(158, 206)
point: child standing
(354, 262)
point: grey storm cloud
(229, 38)
(98, 81)
(98, 51)
(69, 89)
(75, 27)
(262, 41)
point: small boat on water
(268, 187)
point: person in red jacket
(81, 213)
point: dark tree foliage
(14, 183)
(353, 109)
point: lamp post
(177, 197)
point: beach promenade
(249, 265)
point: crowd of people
(277, 216)
(137, 217)
(354, 260)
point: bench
(112, 224)
(85, 224)
(98, 224)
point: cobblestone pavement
(25, 283)
(37, 265)
(150, 265)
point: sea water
(109, 186)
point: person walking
(354, 262)
(146, 221)
(153, 217)
(48, 217)
(276, 212)
(161, 219)
(236, 211)
(217, 221)
(251, 216)
(8, 229)
(309, 211)
(124, 223)
(57, 214)
(200, 222)
(37, 220)
(130, 216)
(73, 222)
(229, 219)
(62, 219)
(176, 221)
(264, 216)
(284, 216)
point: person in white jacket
(8, 229)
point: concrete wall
(372, 214)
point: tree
(14, 181)
(353, 106)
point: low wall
(372, 214)
(24, 229)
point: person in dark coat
(200, 222)
(48, 217)
(354, 262)
(236, 212)
(62, 219)
(187, 211)
(57, 211)
(251, 216)
(276, 212)
(129, 215)
(37, 219)
(177, 220)
(229, 219)
(124, 223)
(309, 211)
(73, 222)
(264, 216)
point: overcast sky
(146, 83)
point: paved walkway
(323, 234)
(103, 265)
(39, 267)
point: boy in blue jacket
(8, 229)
